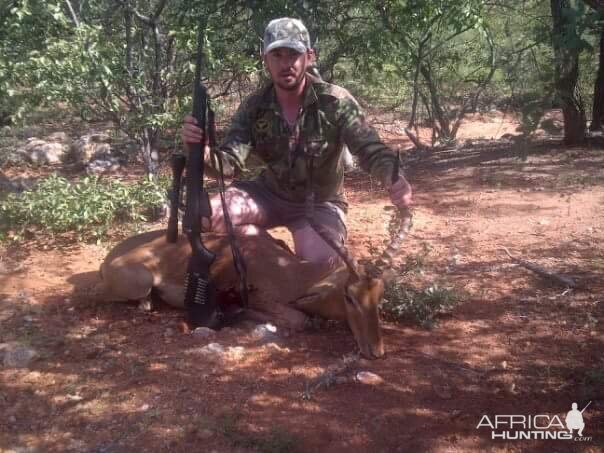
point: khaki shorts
(250, 203)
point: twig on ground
(558, 278)
(330, 375)
(415, 140)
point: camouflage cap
(286, 32)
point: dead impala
(282, 288)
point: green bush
(88, 206)
(420, 307)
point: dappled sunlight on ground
(111, 378)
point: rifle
(200, 294)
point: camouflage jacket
(329, 118)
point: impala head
(362, 299)
(365, 289)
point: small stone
(16, 355)
(368, 378)
(205, 433)
(204, 332)
(264, 332)
(12, 419)
(74, 397)
(144, 407)
(169, 332)
(145, 306)
(213, 349)
(276, 347)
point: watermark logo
(537, 427)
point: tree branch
(74, 17)
(159, 10)
(146, 20)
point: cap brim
(295, 45)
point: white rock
(212, 348)
(40, 152)
(216, 351)
(264, 332)
(89, 147)
(368, 378)
(203, 332)
(101, 166)
(145, 306)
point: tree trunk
(597, 117)
(149, 151)
(567, 73)
(444, 129)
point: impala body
(283, 289)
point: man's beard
(290, 87)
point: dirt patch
(110, 378)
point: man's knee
(326, 261)
(310, 246)
(242, 208)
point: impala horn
(399, 227)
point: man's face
(287, 67)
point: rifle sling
(238, 259)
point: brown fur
(282, 288)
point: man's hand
(401, 194)
(190, 133)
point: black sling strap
(238, 259)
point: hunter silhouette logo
(574, 419)
(537, 427)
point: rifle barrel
(585, 407)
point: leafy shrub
(421, 307)
(88, 206)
